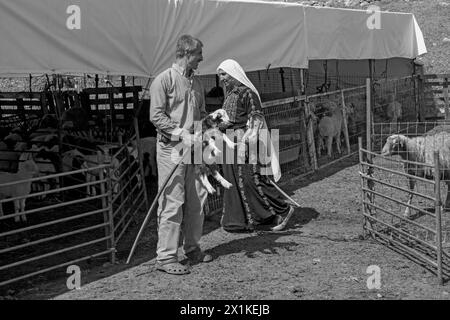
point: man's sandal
(173, 268)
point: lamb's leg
(447, 199)
(91, 190)
(206, 184)
(221, 180)
(338, 142)
(329, 145)
(22, 209)
(17, 210)
(412, 184)
(320, 146)
(214, 147)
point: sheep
(421, 149)
(27, 170)
(331, 127)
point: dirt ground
(321, 255)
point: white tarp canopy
(138, 37)
(357, 34)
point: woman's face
(226, 79)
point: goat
(421, 149)
(27, 170)
(330, 127)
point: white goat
(330, 127)
(421, 149)
(27, 170)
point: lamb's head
(395, 144)
(220, 116)
(29, 166)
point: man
(176, 101)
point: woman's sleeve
(254, 109)
(253, 102)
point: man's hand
(189, 139)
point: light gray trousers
(180, 206)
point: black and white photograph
(225, 158)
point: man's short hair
(187, 44)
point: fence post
(106, 204)
(421, 97)
(121, 183)
(361, 169)
(367, 209)
(303, 131)
(310, 135)
(437, 208)
(445, 92)
(141, 159)
(344, 114)
(368, 114)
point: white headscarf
(234, 69)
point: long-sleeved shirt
(176, 101)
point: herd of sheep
(40, 152)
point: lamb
(92, 161)
(421, 149)
(210, 129)
(27, 170)
(330, 127)
(46, 160)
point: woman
(252, 200)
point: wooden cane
(284, 194)
(285, 221)
(147, 217)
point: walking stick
(284, 194)
(285, 221)
(147, 217)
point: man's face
(194, 58)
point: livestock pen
(422, 237)
(79, 212)
(401, 106)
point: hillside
(433, 17)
